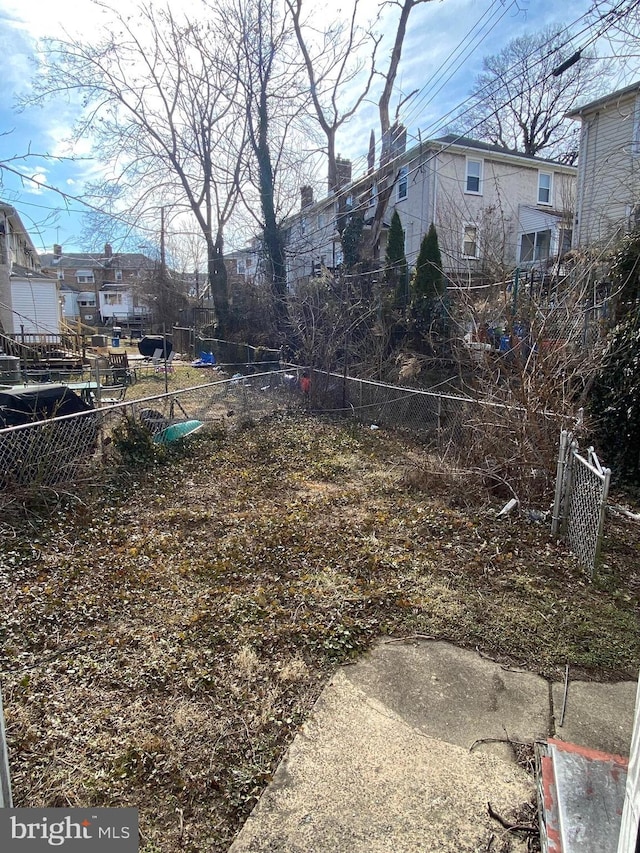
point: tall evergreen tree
(428, 280)
(396, 269)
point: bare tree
(386, 178)
(274, 99)
(331, 67)
(520, 104)
(160, 97)
(617, 23)
(337, 64)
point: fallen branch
(511, 827)
(621, 510)
(499, 740)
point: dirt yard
(165, 632)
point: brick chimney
(306, 197)
(57, 250)
(108, 251)
(343, 168)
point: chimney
(371, 157)
(394, 143)
(57, 250)
(306, 197)
(108, 251)
(343, 168)
(398, 139)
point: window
(474, 177)
(321, 220)
(403, 183)
(113, 299)
(60, 275)
(470, 241)
(87, 303)
(118, 275)
(544, 187)
(535, 246)
(303, 226)
(85, 277)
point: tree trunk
(274, 244)
(218, 282)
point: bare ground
(166, 632)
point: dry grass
(165, 636)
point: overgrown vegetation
(163, 642)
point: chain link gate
(582, 487)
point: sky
(443, 52)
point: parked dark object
(150, 343)
(42, 449)
(22, 405)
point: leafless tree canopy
(159, 97)
(519, 104)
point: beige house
(494, 210)
(608, 195)
(101, 288)
(29, 299)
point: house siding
(609, 170)
(436, 194)
(36, 307)
(436, 182)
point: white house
(29, 299)
(608, 196)
(493, 209)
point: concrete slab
(597, 716)
(360, 778)
(455, 695)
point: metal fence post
(572, 449)
(6, 801)
(560, 468)
(602, 511)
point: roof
(11, 213)
(453, 139)
(450, 140)
(26, 272)
(618, 95)
(116, 285)
(98, 260)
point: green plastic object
(173, 432)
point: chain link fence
(464, 431)
(582, 487)
(434, 416)
(507, 445)
(62, 450)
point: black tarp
(150, 343)
(22, 405)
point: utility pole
(162, 289)
(163, 257)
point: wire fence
(432, 415)
(460, 429)
(582, 487)
(63, 450)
